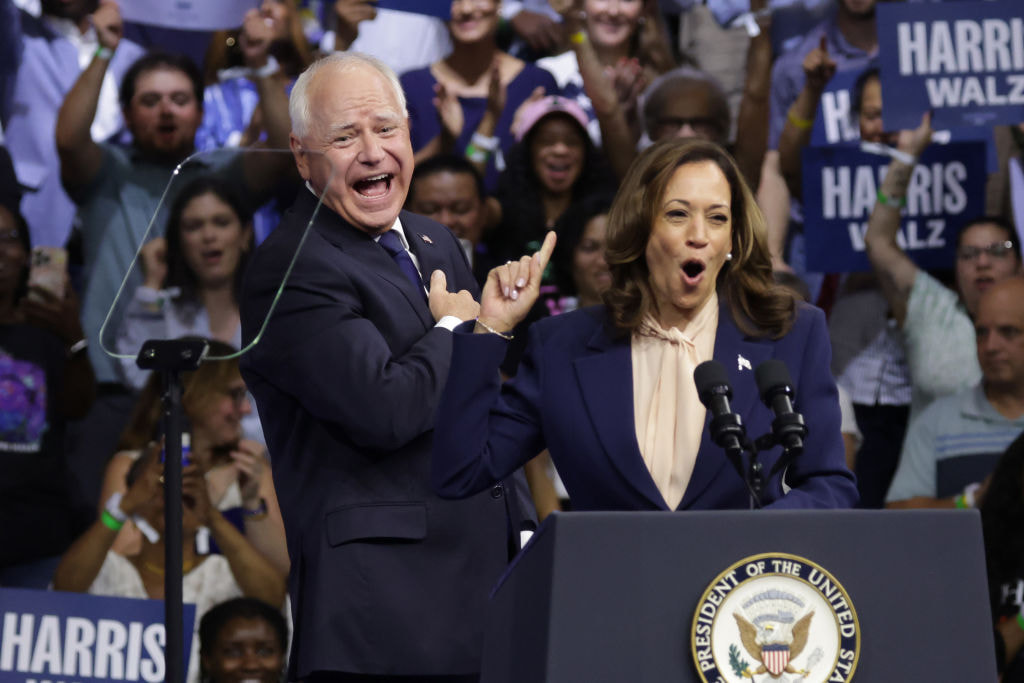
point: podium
(610, 597)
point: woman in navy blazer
(685, 235)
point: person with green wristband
(90, 566)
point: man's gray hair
(298, 104)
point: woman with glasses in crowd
(92, 566)
(236, 469)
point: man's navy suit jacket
(386, 578)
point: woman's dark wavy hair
(179, 274)
(759, 306)
(214, 621)
(574, 224)
(522, 210)
(1002, 519)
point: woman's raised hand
(512, 289)
(153, 258)
(449, 111)
(249, 460)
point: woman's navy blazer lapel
(605, 377)
(739, 354)
(606, 384)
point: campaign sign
(194, 15)
(840, 188)
(442, 9)
(963, 60)
(76, 637)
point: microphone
(776, 388)
(714, 391)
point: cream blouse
(669, 414)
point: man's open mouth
(374, 186)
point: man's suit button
(498, 491)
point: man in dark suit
(388, 582)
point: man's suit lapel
(739, 355)
(606, 384)
(362, 247)
(426, 243)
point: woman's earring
(728, 257)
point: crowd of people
(621, 186)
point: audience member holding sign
(850, 42)
(691, 281)
(937, 323)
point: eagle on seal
(774, 653)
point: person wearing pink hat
(553, 166)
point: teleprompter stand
(170, 358)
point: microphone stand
(170, 358)
(753, 474)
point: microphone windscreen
(771, 374)
(707, 376)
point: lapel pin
(742, 363)
(426, 239)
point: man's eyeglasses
(995, 250)
(704, 127)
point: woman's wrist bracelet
(802, 124)
(257, 514)
(113, 507)
(891, 202)
(579, 37)
(481, 141)
(104, 52)
(477, 155)
(970, 494)
(79, 346)
(1020, 620)
(110, 521)
(507, 336)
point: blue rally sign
(840, 188)
(442, 9)
(964, 60)
(56, 636)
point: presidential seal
(775, 617)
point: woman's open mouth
(692, 271)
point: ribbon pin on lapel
(426, 239)
(742, 362)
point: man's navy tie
(392, 244)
